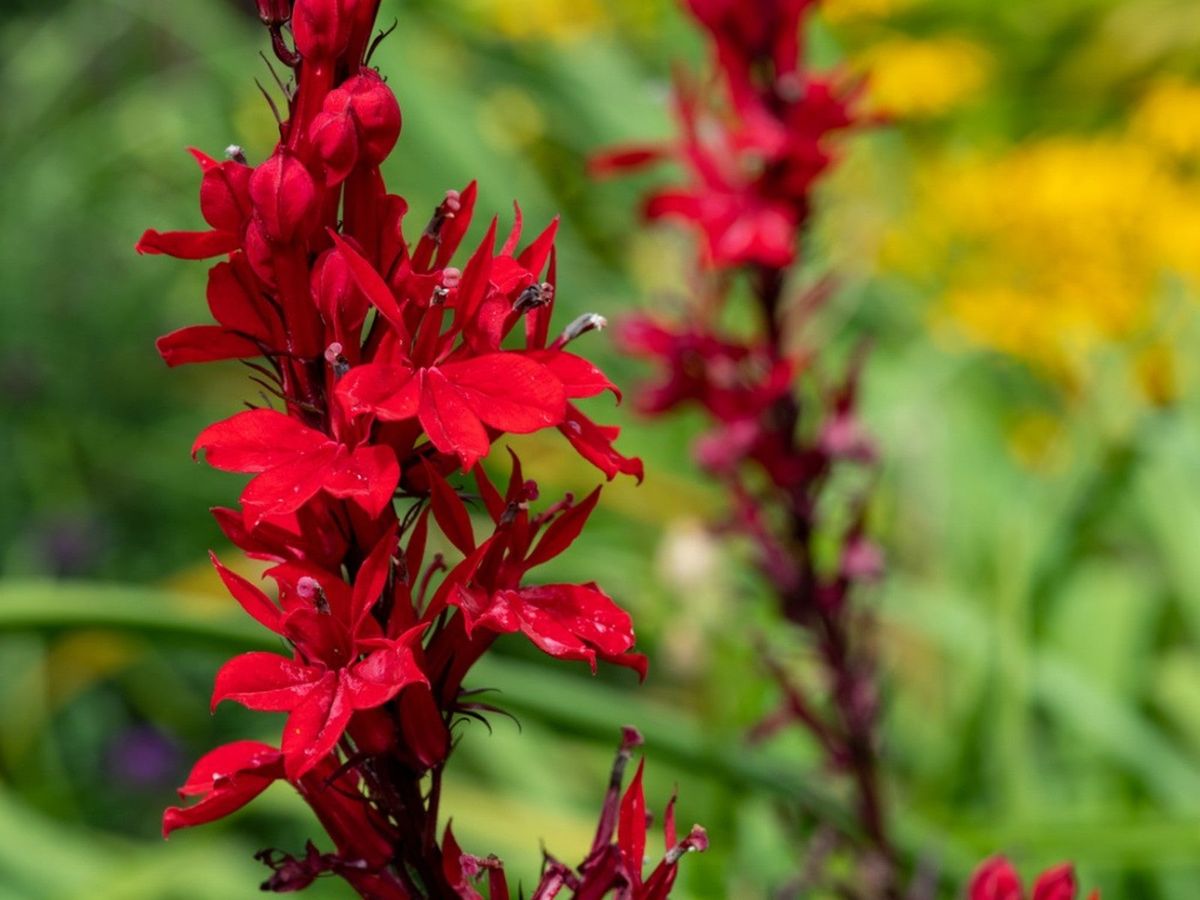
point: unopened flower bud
(581, 326)
(376, 113)
(321, 28)
(274, 12)
(284, 196)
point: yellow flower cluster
(1062, 246)
(554, 20)
(923, 77)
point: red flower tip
(274, 12)
(995, 879)
(321, 28)
(1057, 883)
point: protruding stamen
(339, 363)
(445, 210)
(235, 153)
(534, 296)
(581, 326)
(308, 588)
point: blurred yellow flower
(1054, 249)
(1168, 118)
(838, 11)
(922, 77)
(555, 20)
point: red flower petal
(204, 343)
(284, 196)
(631, 829)
(509, 391)
(257, 440)
(188, 244)
(252, 600)
(369, 477)
(315, 725)
(228, 778)
(595, 444)
(265, 681)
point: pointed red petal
(227, 778)
(252, 600)
(450, 423)
(371, 283)
(451, 513)
(258, 440)
(631, 829)
(265, 681)
(561, 533)
(315, 726)
(188, 244)
(204, 343)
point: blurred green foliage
(1040, 621)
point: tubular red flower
(388, 375)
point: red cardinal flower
(455, 400)
(295, 463)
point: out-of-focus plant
(392, 377)
(783, 435)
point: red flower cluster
(779, 435)
(751, 170)
(395, 372)
(996, 879)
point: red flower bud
(377, 113)
(284, 197)
(321, 28)
(274, 12)
(995, 879)
(335, 293)
(225, 196)
(336, 140)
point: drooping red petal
(204, 343)
(226, 779)
(595, 444)
(265, 681)
(316, 725)
(579, 377)
(257, 604)
(257, 440)
(188, 244)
